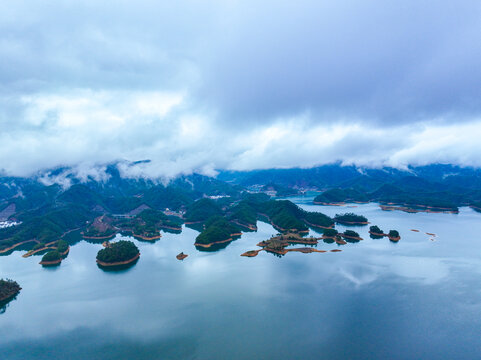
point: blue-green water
(417, 299)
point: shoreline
(16, 245)
(282, 229)
(340, 203)
(303, 242)
(46, 247)
(181, 256)
(213, 243)
(119, 263)
(377, 234)
(319, 226)
(66, 251)
(56, 262)
(250, 227)
(352, 237)
(9, 297)
(98, 237)
(417, 208)
(171, 228)
(51, 263)
(147, 238)
(251, 253)
(232, 236)
(329, 203)
(352, 222)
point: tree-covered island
(329, 233)
(350, 236)
(394, 235)
(120, 253)
(8, 290)
(351, 219)
(375, 232)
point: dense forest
(334, 196)
(119, 251)
(351, 235)
(350, 218)
(53, 255)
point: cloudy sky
(205, 85)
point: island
(277, 245)
(119, 254)
(181, 256)
(394, 235)
(8, 290)
(351, 236)
(376, 233)
(350, 219)
(317, 220)
(330, 233)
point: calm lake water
(416, 299)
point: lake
(415, 299)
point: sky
(198, 86)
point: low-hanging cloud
(196, 86)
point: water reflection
(5, 303)
(118, 268)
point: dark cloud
(388, 62)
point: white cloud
(198, 86)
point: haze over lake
(376, 299)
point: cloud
(197, 86)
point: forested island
(351, 235)
(120, 253)
(375, 232)
(350, 219)
(8, 290)
(330, 233)
(394, 235)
